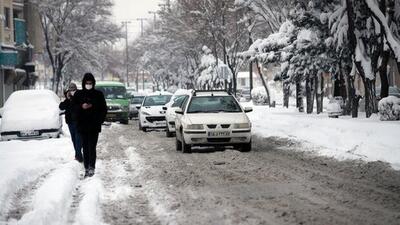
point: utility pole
(125, 23)
(251, 64)
(154, 21)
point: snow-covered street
(141, 179)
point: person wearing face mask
(71, 120)
(92, 110)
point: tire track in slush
(124, 201)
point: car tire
(178, 144)
(185, 147)
(246, 147)
(144, 129)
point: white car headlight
(241, 126)
(195, 127)
(145, 113)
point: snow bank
(22, 163)
(343, 138)
(52, 199)
(259, 96)
(389, 108)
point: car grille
(152, 119)
(213, 126)
(218, 140)
(113, 107)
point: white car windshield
(212, 104)
(157, 100)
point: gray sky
(132, 9)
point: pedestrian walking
(71, 120)
(91, 114)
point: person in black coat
(71, 120)
(91, 113)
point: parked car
(335, 107)
(177, 100)
(135, 100)
(212, 118)
(151, 112)
(117, 101)
(31, 114)
(245, 95)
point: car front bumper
(202, 138)
(43, 134)
(113, 116)
(153, 121)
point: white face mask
(73, 93)
(88, 86)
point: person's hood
(88, 77)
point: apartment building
(20, 43)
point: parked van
(117, 100)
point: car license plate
(29, 133)
(161, 123)
(219, 134)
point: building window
(7, 19)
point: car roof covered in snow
(159, 93)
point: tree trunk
(369, 88)
(383, 73)
(299, 97)
(319, 87)
(351, 92)
(286, 94)
(264, 83)
(310, 95)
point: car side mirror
(248, 109)
(179, 111)
(138, 107)
(164, 108)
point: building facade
(18, 20)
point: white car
(335, 107)
(212, 118)
(177, 100)
(31, 114)
(151, 112)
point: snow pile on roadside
(24, 162)
(389, 108)
(50, 201)
(343, 138)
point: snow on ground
(343, 138)
(48, 171)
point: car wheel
(246, 147)
(144, 129)
(178, 144)
(186, 148)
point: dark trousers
(76, 139)
(89, 143)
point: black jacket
(90, 120)
(70, 111)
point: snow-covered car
(335, 107)
(151, 112)
(31, 114)
(176, 102)
(212, 118)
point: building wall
(7, 33)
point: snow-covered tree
(74, 31)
